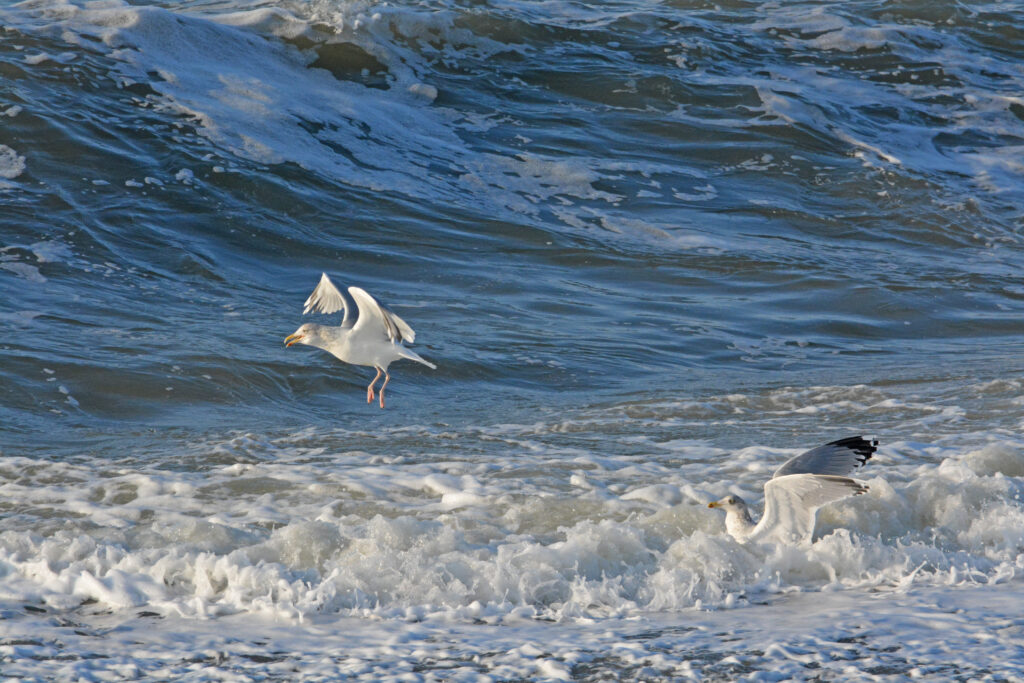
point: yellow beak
(291, 339)
(713, 505)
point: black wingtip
(864, 448)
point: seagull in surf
(797, 489)
(369, 334)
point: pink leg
(369, 389)
(387, 378)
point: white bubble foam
(12, 164)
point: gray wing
(401, 328)
(398, 329)
(327, 298)
(838, 458)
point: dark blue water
(601, 203)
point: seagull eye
(732, 501)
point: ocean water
(654, 248)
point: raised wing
(791, 501)
(374, 318)
(837, 458)
(327, 298)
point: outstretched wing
(838, 458)
(376, 320)
(327, 298)
(791, 501)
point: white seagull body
(368, 335)
(797, 489)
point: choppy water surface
(655, 249)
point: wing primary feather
(405, 333)
(839, 457)
(389, 324)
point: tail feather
(412, 355)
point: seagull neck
(324, 336)
(738, 523)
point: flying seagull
(369, 334)
(797, 489)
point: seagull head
(737, 518)
(306, 334)
(729, 503)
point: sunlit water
(655, 249)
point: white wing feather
(791, 501)
(375, 319)
(327, 298)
